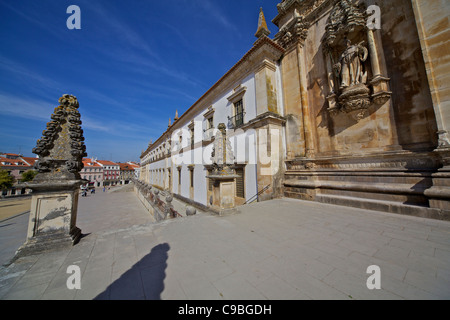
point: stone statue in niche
(352, 76)
(350, 68)
(347, 45)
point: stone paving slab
(280, 249)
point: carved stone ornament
(222, 155)
(294, 32)
(61, 148)
(344, 19)
(346, 46)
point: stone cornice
(306, 8)
(264, 119)
(401, 161)
(237, 95)
(301, 15)
(209, 113)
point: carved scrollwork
(73, 166)
(296, 31)
(347, 44)
(65, 113)
(68, 101)
(42, 166)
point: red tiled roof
(30, 160)
(90, 163)
(107, 163)
(134, 164)
(13, 162)
(11, 154)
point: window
(240, 183)
(237, 100)
(210, 123)
(210, 181)
(191, 176)
(179, 177)
(238, 113)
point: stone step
(381, 205)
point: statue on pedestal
(222, 174)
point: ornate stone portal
(56, 187)
(223, 175)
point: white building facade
(248, 100)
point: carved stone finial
(54, 203)
(61, 148)
(262, 30)
(176, 116)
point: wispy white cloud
(40, 110)
(17, 70)
(112, 24)
(33, 16)
(25, 108)
(217, 13)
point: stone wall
(371, 143)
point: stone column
(432, 20)
(432, 26)
(270, 163)
(380, 84)
(295, 136)
(266, 95)
(54, 202)
(307, 124)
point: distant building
(111, 172)
(92, 171)
(126, 173)
(15, 165)
(137, 169)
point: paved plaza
(279, 249)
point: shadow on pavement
(145, 279)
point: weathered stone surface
(223, 175)
(190, 211)
(362, 129)
(55, 188)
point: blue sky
(132, 64)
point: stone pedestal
(53, 215)
(439, 193)
(54, 202)
(224, 190)
(223, 176)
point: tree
(6, 181)
(28, 175)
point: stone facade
(366, 137)
(362, 112)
